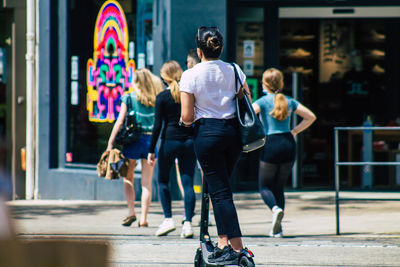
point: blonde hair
(146, 87)
(171, 72)
(273, 80)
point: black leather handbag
(251, 129)
(131, 130)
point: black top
(169, 113)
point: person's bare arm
(256, 108)
(117, 126)
(246, 87)
(187, 108)
(308, 118)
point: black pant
(217, 147)
(275, 167)
(183, 150)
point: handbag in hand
(252, 132)
(130, 130)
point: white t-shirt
(213, 85)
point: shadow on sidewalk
(29, 212)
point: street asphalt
(370, 230)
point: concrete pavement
(370, 230)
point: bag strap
(135, 105)
(129, 102)
(241, 91)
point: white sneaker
(165, 227)
(187, 230)
(277, 215)
(278, 235)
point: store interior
(348, 72)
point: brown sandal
(129, 220)
(143, 224)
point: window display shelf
(301, 69)
(297, 38)
(298, 53)
(297, 57)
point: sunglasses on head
(202, 28)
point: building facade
(344, 53)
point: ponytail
(171, 72)
(273, 80)
(174, 87)
(280, 111)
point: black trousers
(183, 150)
(217, 147)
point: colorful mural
(110, 72)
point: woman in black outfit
(176, 142)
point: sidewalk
(370, 230)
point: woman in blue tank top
(280, 149)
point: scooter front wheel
(246, 262)
(198, 259)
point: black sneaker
(228, 256)
(216, 253)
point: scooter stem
(205, 207)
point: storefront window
(343, 74)
(102, 50)
(249, 32)
(250, 45)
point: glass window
(344, 77)
(250, 44)
(249, 32)
(102, 49)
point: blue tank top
(272, 125)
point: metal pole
(337, 181)
(30, 111)
(36, 106)
(295, 87)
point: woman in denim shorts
(146, 87)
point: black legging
(272, 180)
(183, 150)
(275, 167)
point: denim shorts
(139, 149)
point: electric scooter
(207, 246)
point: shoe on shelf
(376, 53)
(300, 52)
(129, 220)
(225, 256)
(187, 230)
(378, 69)
(165, 227)
(277, 215)
(377, 35)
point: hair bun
(213, 42)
